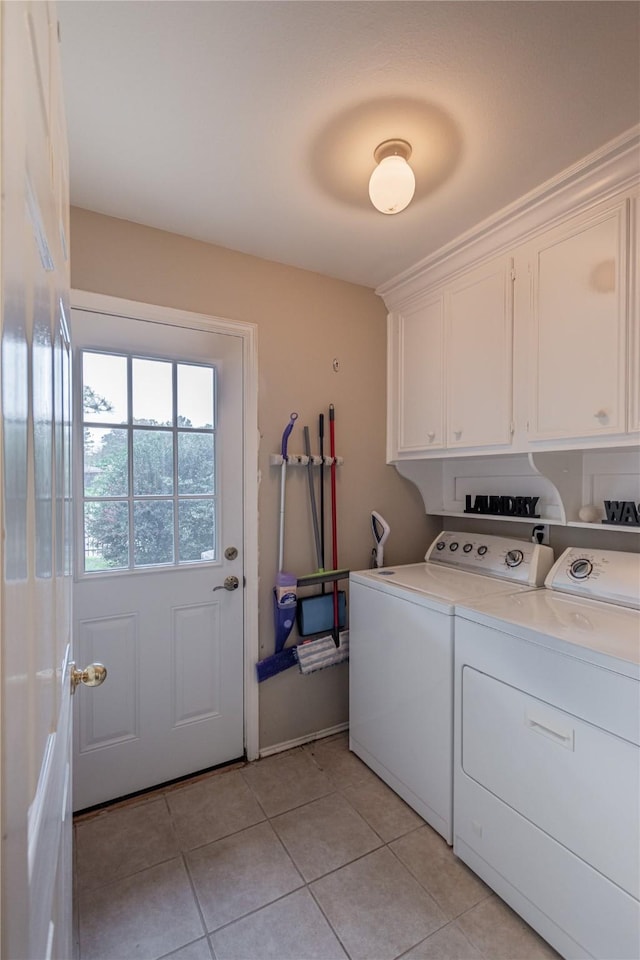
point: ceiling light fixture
(392, 183)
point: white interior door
(159, 492)
(35, 492)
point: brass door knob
(91, 676)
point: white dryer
(401, 658)
(547, 755)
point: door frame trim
(248, 332)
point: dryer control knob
(482, 551)
(468, 547)
(580, 569)
(454, 545)
(440, 545)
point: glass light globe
(392, 185)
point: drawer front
(593, 693)
(573, 904)
(577, 782)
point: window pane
(152, 532)
(106, 535)
(195, 463)
(152, 392)
(106, 462)
(152, 462)
(196, 530)
(195, 396)
(104, 388)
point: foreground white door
(159, 491)
(34, 493)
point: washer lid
(432, 585)
(602, 633)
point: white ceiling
(252, 124)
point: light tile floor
(306, 855)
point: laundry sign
(502, 506)
(622, 513)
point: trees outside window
(149, 486)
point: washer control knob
(514, 558)
(454, 545)
(482, 551)
(468, 547)
(440, 545)
(580, 569)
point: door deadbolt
(91, 676)
(230, 583)
(231, 553)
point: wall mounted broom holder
(302, 460)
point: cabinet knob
(601, 415)
(457, 434)
(431, 437)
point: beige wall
(304, 321)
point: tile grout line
(305, 885)
(331, 927)
(195, 897)
(426, 889)
(183, 853)
(167, 956)
(184, 858)
(153, 793)
(337, 792)
(449, 923)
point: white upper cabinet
(416, 378)
(450, 363)
(634, 317)
(578, 353)
(478, 356)
(523, 335)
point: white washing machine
(547, 757)
(401, 658)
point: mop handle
(334, 523)
(285, 436)
(312, 498)
(283, 471)
(321, 442)
(334, 518)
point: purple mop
(285, 590)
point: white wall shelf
(610, 527)
(534, 521)
(564, 481)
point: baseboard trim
(299, 741)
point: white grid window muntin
(149, 484)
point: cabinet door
(578, 330)
(479, 320)
(416, 381)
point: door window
(149, 455)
